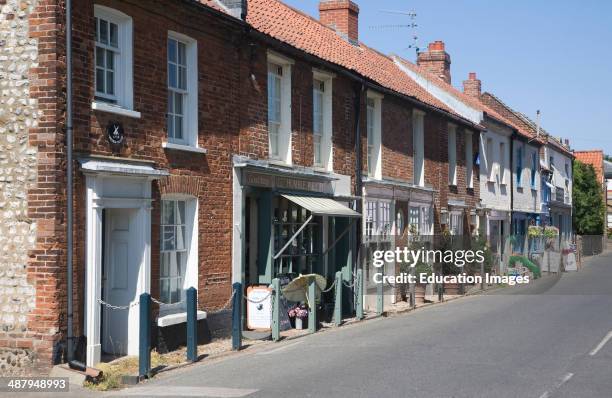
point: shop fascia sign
(283, 182)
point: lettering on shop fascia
(268, 181)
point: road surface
(550, 339)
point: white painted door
(120, 279)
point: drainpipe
(358, 183)
(69, 209)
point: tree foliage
(589, 206)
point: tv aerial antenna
(414, 43)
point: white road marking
(564, 380)
(184, 391)
(281, 348)
(601, 343)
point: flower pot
(299, 324)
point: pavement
(552, 338)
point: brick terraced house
(206, 135)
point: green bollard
(275, 309)
(338, 299)
(192, 324)
(312, 315)
(237, 317)
(144, 344)
(359, 288)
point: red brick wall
(397, 146)
(206, 176)
(45, 199)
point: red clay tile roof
(466, 99)
(595, 158)
(307, 34)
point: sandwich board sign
(259, 308)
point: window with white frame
(370, 133)
(452, 154)
(113, 57)
(469, 162)
(420, 220)
(279, 108)
(182, 115)
(455, 223)
(519, 166)
(370, 219)
(414, 220)
(322, 120)
(373, 122)
(534, 169)
(178, 257)
(418, 142)
(275, 73)
(490, 157)
(173, 260)
(378, 219)
(384, 227)
(502, 163)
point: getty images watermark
(459, 258)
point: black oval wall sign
(114, 132)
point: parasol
(297, 289)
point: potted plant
(298, 313)
(419, 288)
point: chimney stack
(472, 86)
(436, 60)
(341, 15)
(237, 8)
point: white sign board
(570, 262)
(259, 308)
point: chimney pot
(341, 15)
(436, 60)
(437, 45)
(472, 86)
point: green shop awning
(322, 206)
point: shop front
(396, 214)
(291, 222)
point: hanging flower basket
(533, 231)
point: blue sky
(555, 56)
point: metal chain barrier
(224, 307)
(329, 288)
(117, 307)
(260, 300)
(349, 285)
(156, 301)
